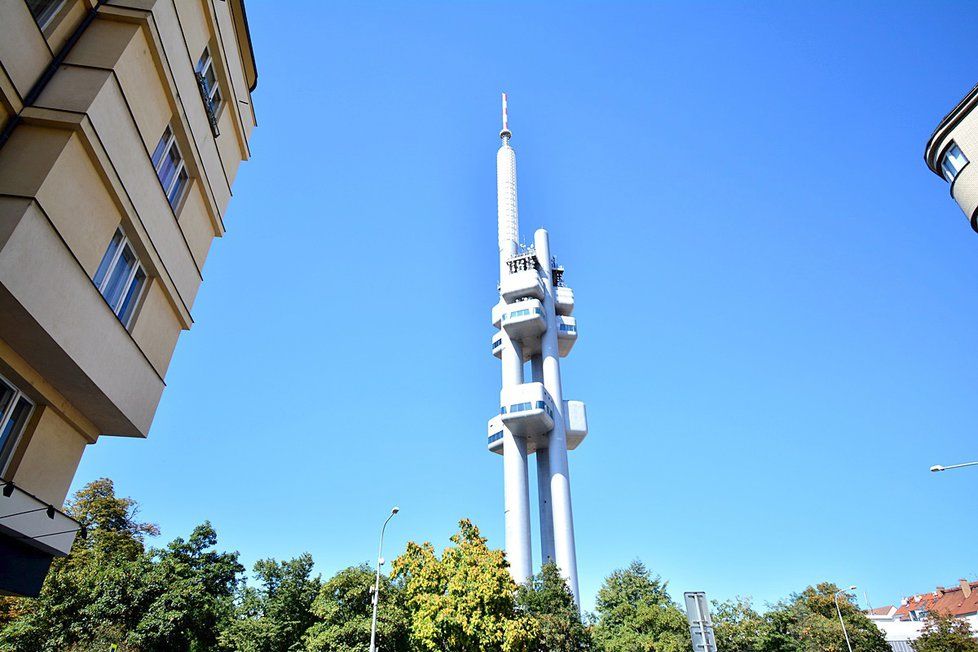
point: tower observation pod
(533, 324)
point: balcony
(566, 334)
(524, 319)
(564, 304)
(495, 437)
(575, 420)
(521, 285)
(527, 409)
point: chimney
(965, 588)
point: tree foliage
(635, 614)
(274, 616)
(737, 626)
(189, 597)
(808, 622)
(463, 601)
(548, 602)
(945, 633)
(111, 589)
(344, 609)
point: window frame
(168, 142)
(208, 92)
(207, 61)
(8, 448)
(46, 17)
(121, 303)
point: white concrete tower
(533, 318)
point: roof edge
(240, 15)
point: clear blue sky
(776, 298)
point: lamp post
(939, 467)
(839, 611)
(380, 561)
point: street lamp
(380, 562)
(839, 611)
(938, 467)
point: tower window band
(953, 162)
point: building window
(120, 278)
(169, 168)
(210, 90)
(44, 10)
(15, 409)
(953, 162)
(496, 436)
(496, 344)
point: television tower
(533, 318)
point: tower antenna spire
(505, 133)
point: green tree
(344, 610)
(547, 600)
(635, 614)
(110, 589)
(463, 601)
(274, 616)
(737, 626)
(191, 586)
(808, 622)
(945, 633)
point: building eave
(245, 45)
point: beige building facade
(122, 126)
(950, 149)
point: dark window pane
(11, 429)
(103, 267)
(120, 275)
(129, 302)
(177, 190)
(43, 10)
(168, 168)
(160, 148)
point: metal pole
(839, 611)
(380, 560)
(699, 616)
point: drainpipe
(49, 71)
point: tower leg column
(517, 495)
(565, 550)
(516, 483)
(547, 555)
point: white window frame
(8, 414)
(207, 62)
(48, 14)
(171, 143)
(952, 162)
(123, 243)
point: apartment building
(949, 150)
(903, 624)
(122, 125)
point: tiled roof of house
(880, 611)
(960, 600)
